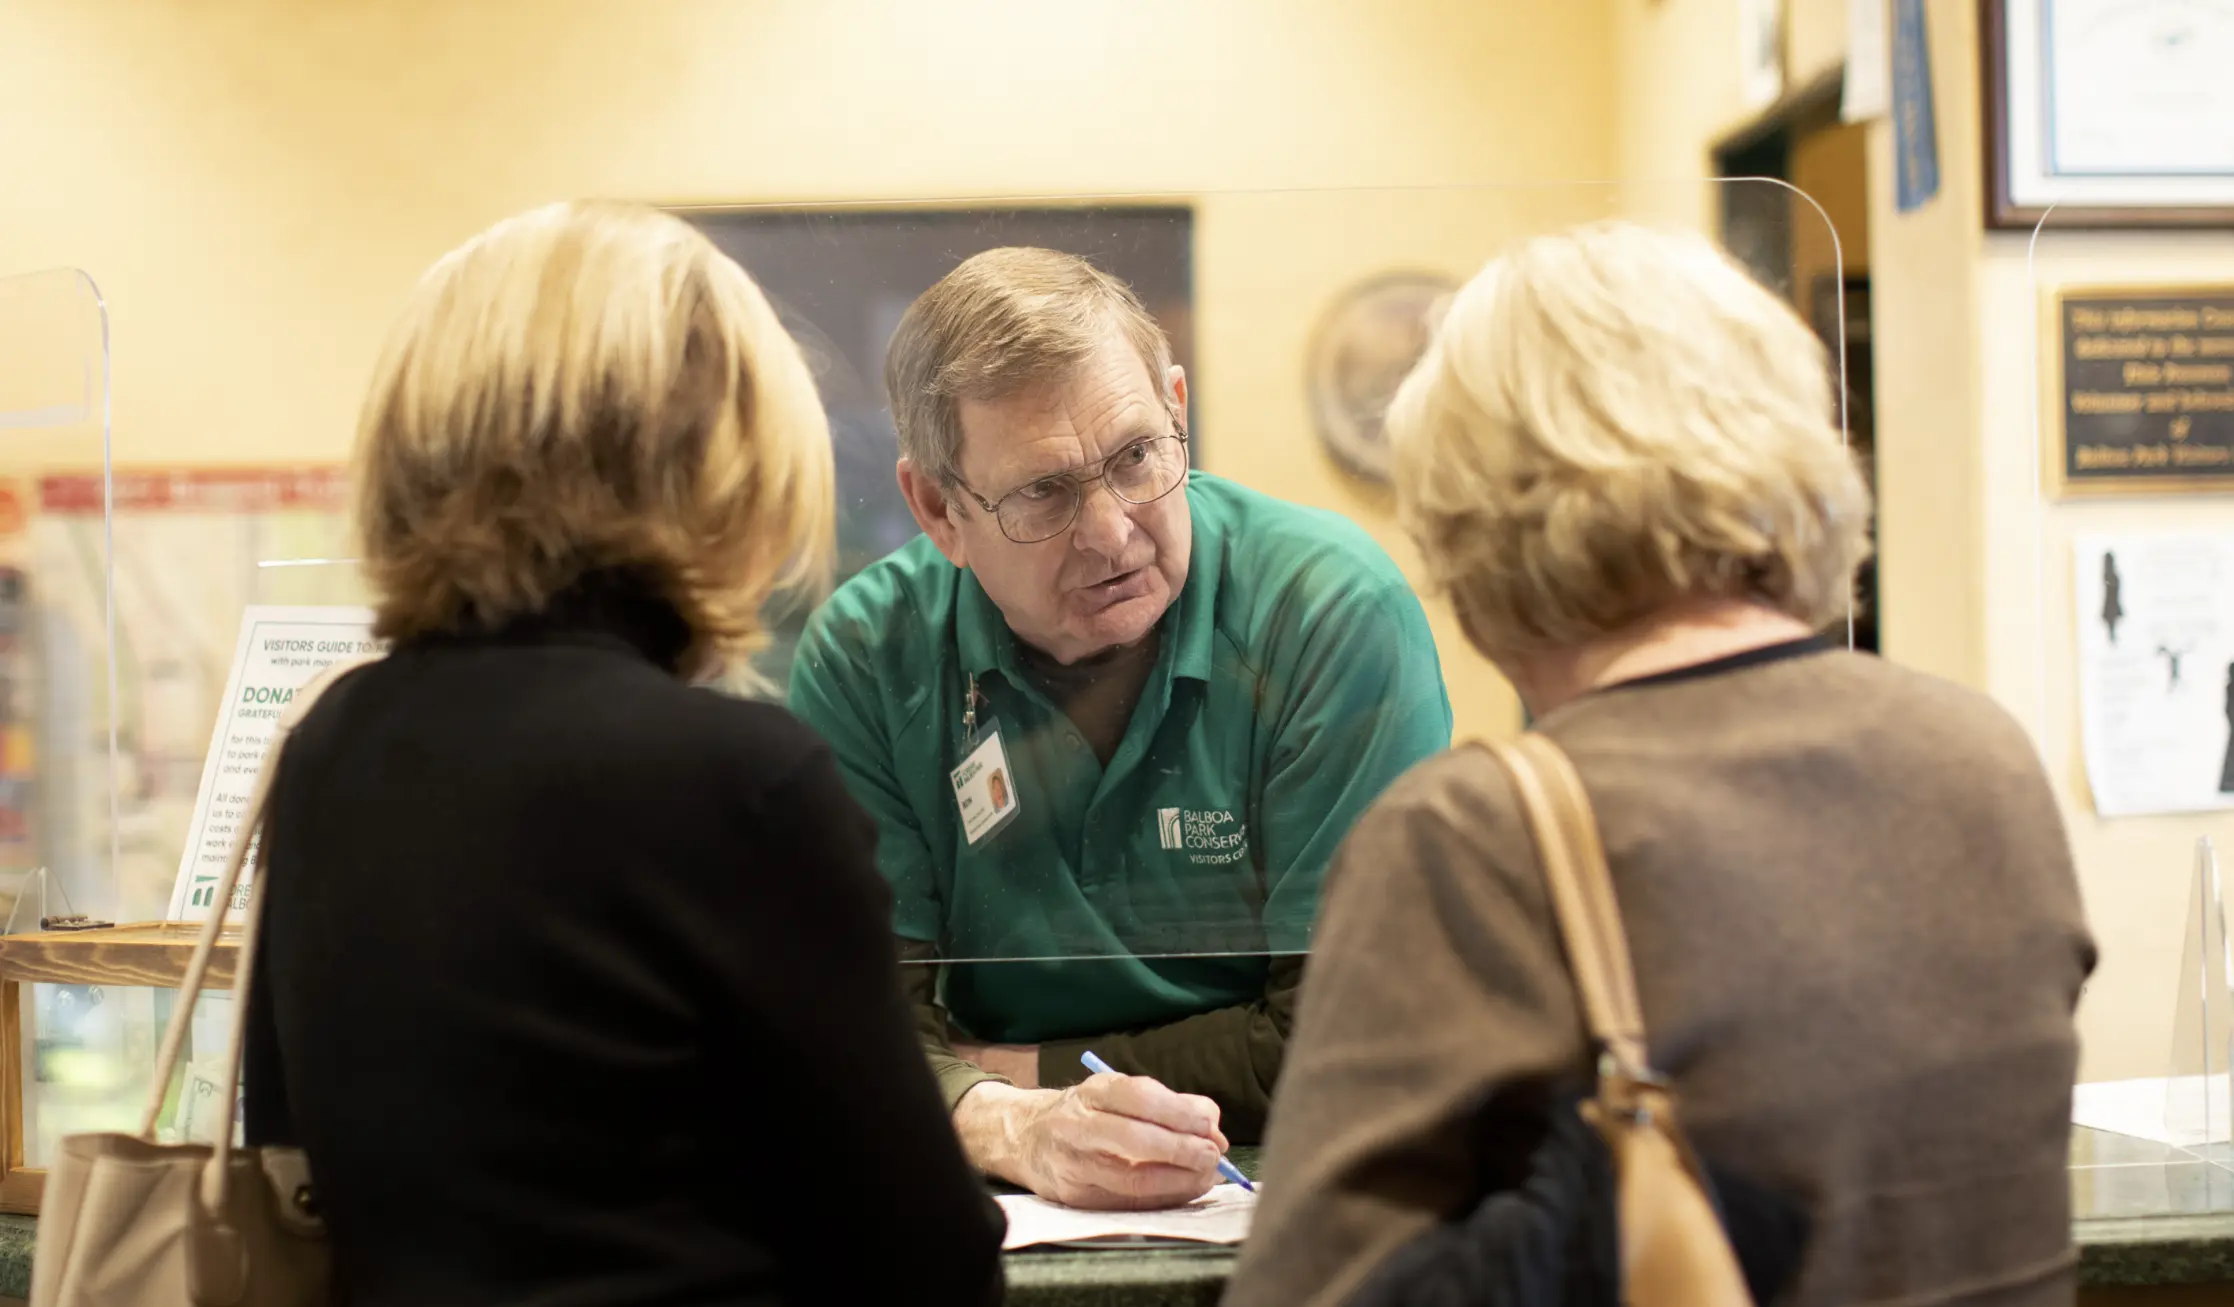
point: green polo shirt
(1296, 679)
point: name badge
(985, 789)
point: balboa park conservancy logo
(1205, 835)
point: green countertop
(2147, 1215)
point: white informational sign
(279, 651)
(2156, 670)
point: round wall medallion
(1364, 346)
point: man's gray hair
(1004, 320)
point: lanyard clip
(969, 712)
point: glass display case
(81, 1014)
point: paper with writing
(1219, 1217)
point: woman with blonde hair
(575, 984)
(1855, 923)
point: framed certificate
(2116, 113)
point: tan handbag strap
(1673, 1246)
(1582, 898)
(205, 947)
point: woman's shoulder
(1454, 813)
(1889, 704)
(1840, 691)
(1834, 730)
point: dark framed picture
(2110, 113)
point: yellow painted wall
(1814, 39)
(1976, 567)
(2135, 870)
(256, 182)
(1925, 339)
(1979, 572)
(1679, 92)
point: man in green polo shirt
(1112, 719)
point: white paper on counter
(1221, 1217)
(2137, 1108)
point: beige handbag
(1674, 1252)
(128, 1222)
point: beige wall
(1814, 39)
(1978, 564)
(1678, 84)
(2135, 870)
(1923, 298)
(1976, 567)
(256, 182)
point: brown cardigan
(1858, 939)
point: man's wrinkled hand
(1112, 1142)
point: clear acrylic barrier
(57, 745)
(1294, 314)
(58, 833)
(2128, 492)
(90, 1049)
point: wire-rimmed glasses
(1138, 473)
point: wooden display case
(151, 955)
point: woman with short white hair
(1855, 923)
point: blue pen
(1225, 1168)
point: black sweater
(578, 988)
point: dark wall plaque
(2141, 396)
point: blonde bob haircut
(589, 387)
(1616, 419)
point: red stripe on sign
(200, 490)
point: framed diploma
(2116, 113)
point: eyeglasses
(1140, 473)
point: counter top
(2148, 1215)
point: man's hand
(1112, 1141)
(1019, 1062)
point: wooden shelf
(153, 954)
